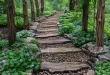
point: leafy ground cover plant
(70, 23)
(83, 38)
(66, 28)
(3, 20)
(102, 68)
(19, 58)
(24, 34)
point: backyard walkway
(58, 54)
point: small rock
(29, 73)
(33, 27)
(92, 50)
(90, 72)
(105, 56)
(28, 39)
(35, 24)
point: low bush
(24, 34)
(3, 20)
(102, 68)
(83, 38)
(66, 28)
(19, 22)
(20, 58)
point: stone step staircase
(58, 54)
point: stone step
(60, 50)
(66, 56)
(64, 66)
(50, 38)
(47, 35)
(50, 22)
(49, 30)
(57, 41)
(48, 26)
(68, 45)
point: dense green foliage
(83, 37)
(20, 57)
(70, 23)
(102, 68)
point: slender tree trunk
(85, 16)
(37, 8)
(42, 6)
(100, 23)
(11, 23)
(25, 13)
(32, 10)
(71, 5)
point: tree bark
(42, 6)
(37, 8)
(25, 14)
(32, 10)
(100, 23)
(71, 5)
(85, 16)
(11, 22)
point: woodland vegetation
(88, 20)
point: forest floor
(58, 54)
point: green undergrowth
(20, 58)
(49, 12)
(70, 23)
(102, 68)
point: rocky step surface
(48, 26)
(50, 38)
(67, 45)
(57, 41)
(60, 50)
(49, 23)
(47, 35)
(49, 30)
(65, 57)
(79, 72)
(63, 54)
(64, 66)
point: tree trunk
(11, 23)
(100, 23)
(71, 5)
(37, 8)
(42, 6)
(32, 10)
(85, 16)
(25, 13)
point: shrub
(66, 28)
(102, 68)
(20, 57)
(19, 22)
(19, 61)
(3, 43)
(3, 20)
(23, 34)
(83, 38)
